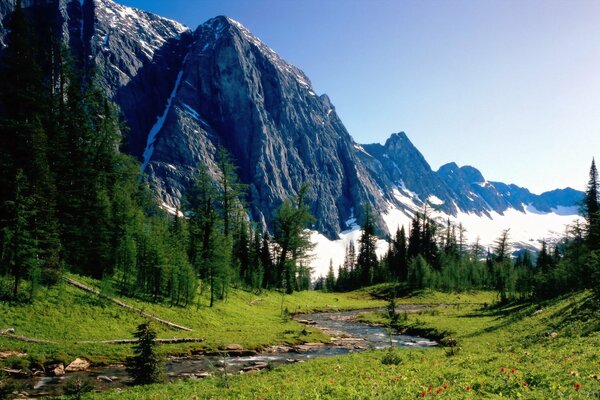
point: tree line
(437, 256)
(70, 200)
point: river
(347, 335)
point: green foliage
(146, 366)
(391, 357)
(506, 353)
(292, 240)
(78, 386)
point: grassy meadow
(67, 316)
(529, 351)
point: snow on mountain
(527, 229)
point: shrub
(391, 357)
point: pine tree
(330, 278)
(146, 366)
(591, 209)
(19, 247)
(366, 261)
(292, 218)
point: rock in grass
(57, 369)
(79, 364)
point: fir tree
(591, 209)
(146, 366)
(366, 261)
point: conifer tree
(366, 261)
(292, 218)
(591, 209)
(330, 279)
(146, 366)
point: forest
(70, 200)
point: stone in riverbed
(79, 364)
(57, 369)
(234, 346)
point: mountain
(183, 93)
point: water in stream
(351, 336)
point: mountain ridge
(183, 93)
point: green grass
(506, 352)
(65, 314)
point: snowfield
(527, 229)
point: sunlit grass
(530, 351)
(67, 315)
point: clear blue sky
(511, 87)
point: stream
(347, 335)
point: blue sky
(511, 87)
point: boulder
(234, 346)
(57, 369)
(79, 364)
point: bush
(391, 357)
(78, 386)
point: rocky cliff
(184, 93)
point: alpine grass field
(548, 350)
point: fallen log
(25, 338)
(130, 341)
(17, 372)
(125, 305)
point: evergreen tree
(19, 247)
(146, 366)
(591, 209)
(397, 257)
(24, 149)
(330, 278)
(292, 217)
(366, 261)
(544, 260)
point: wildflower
(577, 385)
(445, 386)
(513, 370)
(502, 369)
(524, 384)
(423, 393)
(468, 388)
(440, 390)
(573, 373)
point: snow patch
(436, 201)
(361, 149)
(160, 121)
(191, 112)
(334, 250)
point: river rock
(104, 378)
(306, 322)
(278, 349)
(202, 374)
(11, 353)
(79, 364)
(306, 347)
(57, 369)
(234, 346)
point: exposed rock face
(400, 169)
(183, 94)
(236, 92)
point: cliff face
(184, 93)
(236, 92)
